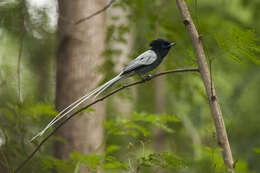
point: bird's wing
(146, 58)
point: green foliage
(88, 111)
(240, 44)
(256, 150)
(18, 119)
(132, 126)
(162, 160)
(229, 29)
(50, 162)
(93, 162)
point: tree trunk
(126, 105)
(159, 106)
(78, 56)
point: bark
(211, 93)
(78, 56)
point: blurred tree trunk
(159, 106)
(159, 93)
(126, 105)
(78, 56)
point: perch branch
(205, 74)
(93, 103)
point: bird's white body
(146, 58)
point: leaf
(91, 160)
(8, 114)
(113, 163)
(163, 160)
(240, 45)
(256, 150)
(87, 111)
(60, 165)
(134, 125)
(111, 148)
(35, 109)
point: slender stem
(209, 86)
(19, 63)
(93, 103)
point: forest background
(47, 60)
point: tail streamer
(75, 104)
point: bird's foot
(147, 77)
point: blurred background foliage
(230, 34)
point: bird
(144, 63)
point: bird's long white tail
(111, 82)
(75, 104)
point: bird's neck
(160, 53)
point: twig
(19, 74)
(213, 97)
(96, 13)
(205, 74)
(93, 103)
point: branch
(96, 13)
(93, 103)
(211, 93)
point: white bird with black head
(141, 65)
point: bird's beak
(172, 44)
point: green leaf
(87, 111)
(91, 160)
(113, 163)
(256, 150)
(8, 114)
(240, 45)
(111, 148)
(60, 165)
(163, 160)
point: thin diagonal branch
(209, 86)
(96, 13)
(88, 17)
(93, 103)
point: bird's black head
(161, 46)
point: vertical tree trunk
(159, 106)
(78, 56)
(125, 105)
(210, 90)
